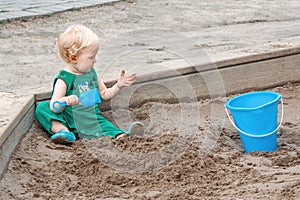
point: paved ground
(18, 9)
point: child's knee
(41, 109)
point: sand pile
(162, 164)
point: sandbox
(210, 165)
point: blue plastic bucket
(255, 117)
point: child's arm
(109, 93)
(59, 93)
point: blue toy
(87, 98)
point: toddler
(78, 47)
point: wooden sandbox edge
(238, 75)
(14, 132)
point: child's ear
(73, 58)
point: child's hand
(125, 81)
(72, 100)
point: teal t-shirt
(87, 122)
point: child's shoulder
(64, 73)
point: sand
(174, 159)
(202, 166)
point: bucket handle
(257, 136)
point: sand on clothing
(175, 159)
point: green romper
(84, 122)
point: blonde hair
(74, 39)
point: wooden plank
(157, 72)
(262, 75)
(42, 96)
(211, 84)
(15, 134)
(16, 119)
(224, 63)
(171, 68)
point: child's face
(86, 58)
